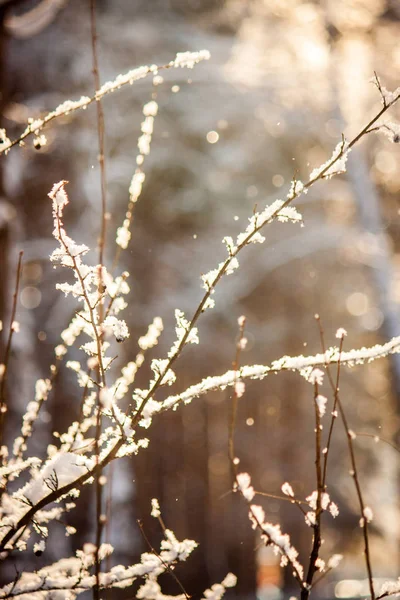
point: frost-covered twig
(271, 534)
(154, 551)
(73, 574)
(69, 255)
(102, 240)
(389, 588)
(75, 476)
(217, 591)
(123, 237)
(42, 390)
(335, 389)
(302, 364)
(182, 59)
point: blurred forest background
(285, 78)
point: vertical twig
(101, 374)
(100, 135)
(3, 404)
(364, 520)
(305, 592)
(232, 427)
(100, 132)
(354, 472)
(108, 511)
(335, 390)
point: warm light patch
(30, 297)
(357, 304)
(212, 137)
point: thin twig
(97, 335)
(321, 576)
(354, 472)
(3, 405)
(290, 499)
(103, 185)
(235, 398)
(167, 567)
(335, 390)
(379, 86)
(100, 131)
(316, 544)
(378, 438)
(69, 107)
(364, 520)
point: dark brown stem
(3, 403)
(99, 498)
(364, 520)
(235, 399)
(100, 131)
(354, 472)
(378, 85)
(305, 592)
(103, 184)
(57, 493)
(335, 390)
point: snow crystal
(340, 333)
(287, 489)
(321, 404)
(368, 514)
(316, 377)
(334, 561)
(155, 508)
(243, 482)
(239, 388)
(335, 164)
(189, 59)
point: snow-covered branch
(302, 364)
(36, 125)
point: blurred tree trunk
(370, 218)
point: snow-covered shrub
(114, 418)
